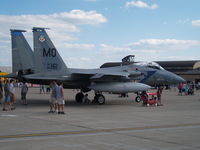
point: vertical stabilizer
(22, 54)
(47, 58)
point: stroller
(150, 99)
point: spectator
(180, 86)
(53, 101)
(60, 99)
(48, 89)
(1, 92)
(85, 99)
(185, 88)
(42, 89)
(6, 104)
(144, 98)
(24, 90)
(159, 93)
(12, 94)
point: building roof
(192, 64)
(191, 72)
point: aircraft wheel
(101, 99)
(79, 97)
(137, 99)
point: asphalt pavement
(120, 124)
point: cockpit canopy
(153, 65)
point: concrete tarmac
(120, 124)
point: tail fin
(22, 54)
(47, 58)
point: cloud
(81, 17)
(151, 49)
(144, 50)
(61, 22)
(110, 48)
(79, 62)
(140, 4)
(168, 44)
(64, 25)
(184, 21)
(181, 58)
(196, 23)
(77, 46)
(150, 46)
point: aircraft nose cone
(167, 77)
(175, 79)
(179, 79)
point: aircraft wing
(92, 75)
(103, 75)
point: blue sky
(88, 33)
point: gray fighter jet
(47, 65)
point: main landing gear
(98, 98)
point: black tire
(137, 99)
(101, 99)
(79, 97)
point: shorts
(7, 99)
(61, 101)
(53, 100)
(12, 98)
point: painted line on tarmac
(7, 115)
(3, 137)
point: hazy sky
(88, 33)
